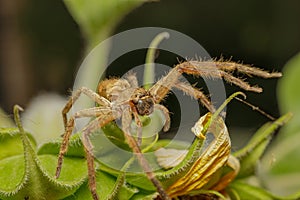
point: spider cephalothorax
(142, 101)
(123, 99)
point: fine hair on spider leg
(206, 69)
(223, 69)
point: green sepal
(75, 147)
(253, 151)
(239, 190)
(11, 144)
(27, 176)
(105, 189)
(145, 196)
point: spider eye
(144, 106)
(140, 102)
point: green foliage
(249, 157)
(98, 18)
(253, 151)
(240, 190)
(32, 171)
(289, 95)
(107, 192)
(28, 171)
(25, 175)
(280, 167)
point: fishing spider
(123, 99)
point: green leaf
(98, 18)
(11, 173)
(11, 144)
(239, 190)
(27, 176)
(145, 196)
(75, 148)
(105, 188)
(289, 95)
(253, 151)
(281, 162)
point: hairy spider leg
(196, 93)
(88, 147)
(132, 80)
(245, 69)
(165, 84)
(165, 112)
(212, 69)
(207, 69)
(90, 112)
(138, 123)
(126, 121)
(88, 92)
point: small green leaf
(239, 190)
(115, 135)
(252, 152)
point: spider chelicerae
(124, 99)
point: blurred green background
(41, 46)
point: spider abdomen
(113, 88)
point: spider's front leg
(90, 112)
(103, 117)
(97, 123)
(126, 121)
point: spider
(123, 99)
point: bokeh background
(41, 46)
